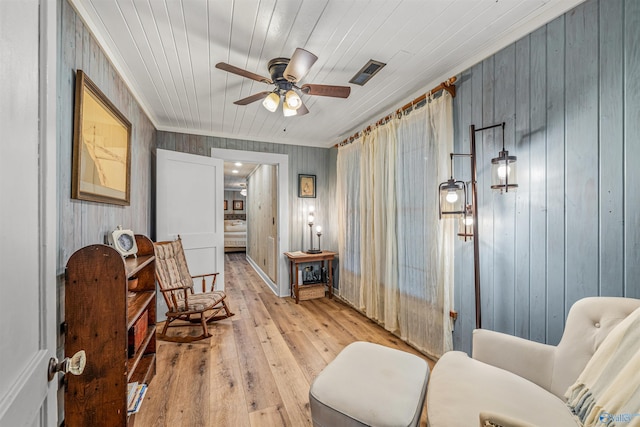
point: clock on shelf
(123, 241)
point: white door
(189, 198)
(27, 212)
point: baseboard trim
(263, 275)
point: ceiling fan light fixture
(271, 102)
(292, 99)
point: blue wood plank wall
(302, 160)
(83, 223)
(569, 94)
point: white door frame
(49, 193)
(282, 161)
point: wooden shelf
(134, 265)
(144, 373)
(101, 314)
(145, 369)
(133, 363)
(138, 303)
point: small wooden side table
(297, 258)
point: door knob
(74, 365)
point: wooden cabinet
(101, 314)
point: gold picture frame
(226, 205)
(101, 147)
(238, 205)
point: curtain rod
(447, 85)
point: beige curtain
(348, 200)
(378, 242)
(425, 248)
(441, 131)
(396, 256)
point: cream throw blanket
(607, 392)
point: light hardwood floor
(257, 367)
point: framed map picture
(101, 147)
(307, 186)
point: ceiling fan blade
(244, 73)
(302, 110)
(326, 90)
(299, 65)
(252, 98)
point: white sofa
(511, 381)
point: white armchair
(511, 381)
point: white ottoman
(370, 385)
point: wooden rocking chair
(176, 285)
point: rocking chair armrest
(204, 275)
(204, 285)
(176, 288)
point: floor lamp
(453, 200)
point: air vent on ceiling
(369, 70)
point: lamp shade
(287, 110)
(503, 172)
(299, 65)
(292, 99)
(271, 102)
(453, 198)
(465, 224)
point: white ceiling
(166, 51)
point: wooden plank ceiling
(233, 180)
(166, 51)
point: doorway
(281, 243)
(235, 206)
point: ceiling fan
(285, 74)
